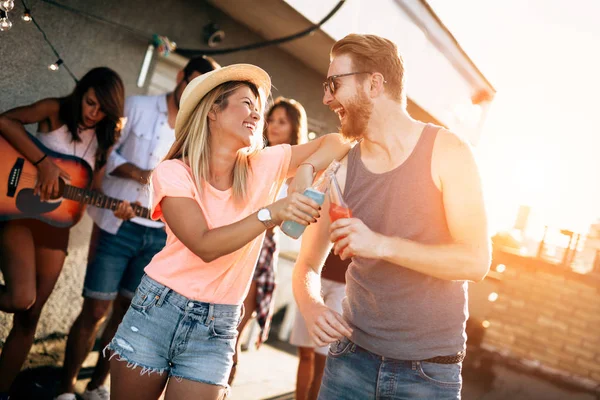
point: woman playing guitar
(84, 124)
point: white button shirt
(145, 140)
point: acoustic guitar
(18, 178)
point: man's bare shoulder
(449, 145)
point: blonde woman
(216, 193)
(286, 123)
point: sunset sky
(540, 143)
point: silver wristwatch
(264, 216)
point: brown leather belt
(453, 359)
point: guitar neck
(100, 200)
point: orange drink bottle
(337, 207)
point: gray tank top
(397, 312)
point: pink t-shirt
(227, 279)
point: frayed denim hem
(145, 370)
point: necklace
(88, 145)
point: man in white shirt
(120, 250)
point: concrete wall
(85, 43)
(548, 317)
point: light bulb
(26, 16)
(7, 5)
(5, 24)
(56, 65)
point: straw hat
(200, 86)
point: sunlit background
(540, 141)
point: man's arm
(468, 257)
(312, 157)
(128, 170)
(117, 165)
(324, 325)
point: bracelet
(307, 163)
(40, 160)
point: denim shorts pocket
(340, 347)
(144, 299)
(223, 328)
(447, 375)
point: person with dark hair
(285, 124)
(123, 244)
(85, 124)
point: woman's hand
(47, 185)
(302, 180)
(295, 207)
(124, 211)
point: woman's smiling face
(240, 118)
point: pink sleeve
(276, 160)
(170, 179)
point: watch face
(264, 215)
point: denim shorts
(164, 332)
(353, 373)
(116, 263)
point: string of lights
(8, 5)
(56, 65)
(253, 46)
(208, 52)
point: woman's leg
(49, 263)
(120, 307)
(18, 267)
(190, 390)
(319, 364)
(128, 383)
(306, 371)
(249, 308)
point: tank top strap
(424, 148)
(351, 169)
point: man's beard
(358, 112)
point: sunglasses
(329, 84)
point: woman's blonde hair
(192, 142)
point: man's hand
(124, 211)
(351, 237)
(325, 325)
(144, 176)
